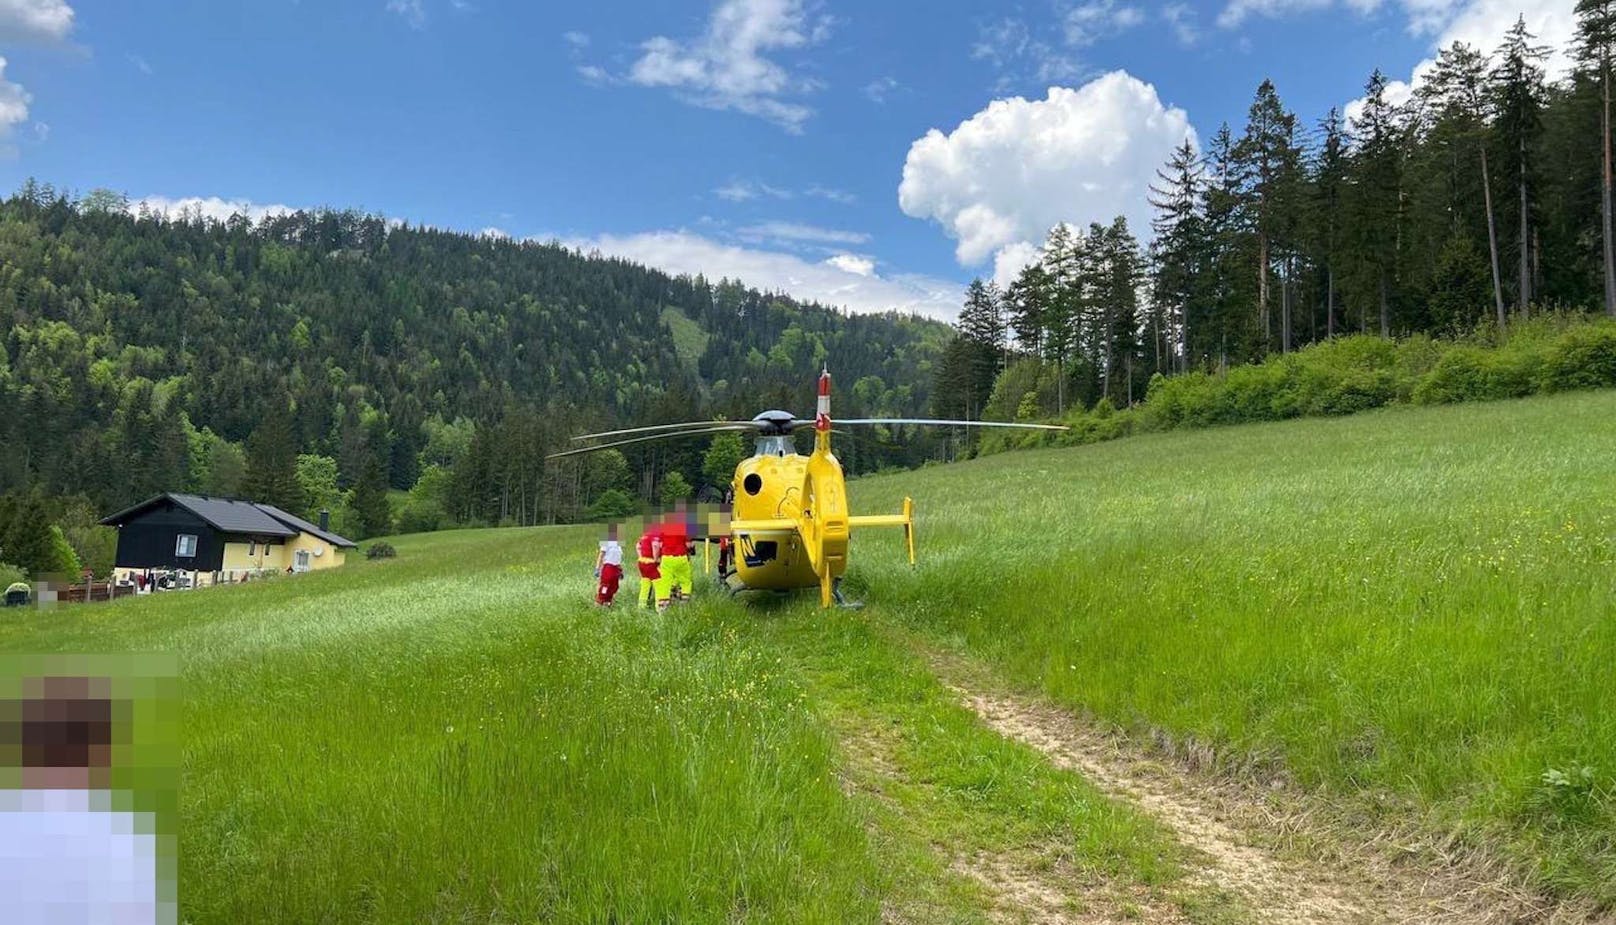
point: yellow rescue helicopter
(791, 526)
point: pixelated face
(62, 731)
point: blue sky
(851, 152)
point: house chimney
(325, 520)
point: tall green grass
(456, 735)
(1416, 607)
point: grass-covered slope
(1417, 602)
(458, 735)
(1412, 609)
(455, 736)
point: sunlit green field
(455, 736)
(1418, 604)
(1411, 609)
(459, 735)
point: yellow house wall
(331, 558)
(237, 559)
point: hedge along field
(1412, 606)
(1555, 352)
(455, 735)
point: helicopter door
(756, 552)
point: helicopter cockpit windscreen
(774, 445)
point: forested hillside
(325, 358)
(1483, 196)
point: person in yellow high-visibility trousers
(677, 582)
(649, 550)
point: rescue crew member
(650, 552)
(608, 568)
(677, 581)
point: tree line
(336, 360)
(1485, 196)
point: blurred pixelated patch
(701, 521)
(105, 723)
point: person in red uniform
(608, 568)
(676, 582)
(649, 550)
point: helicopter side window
(753, 483)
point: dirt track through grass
(1248, 846)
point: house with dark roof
(221, 539)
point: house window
(252, 548)
(185, 546)
(301, 560)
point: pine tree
(271, 476)
(1064, 308)
(981, 326)
(1519, 92)
(1455, 91)
(26, 540)
(1122, 276)
(1269, 161)
(1595, 48)
(1027, 304)
(370, 504)
(1329, 179)
(1224, 337)
(1177, 254)
(1377, 183)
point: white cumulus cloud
(1481, 24)
(35, 20)
(14, 102)
(999, 181)
(842, 283)
(728, 67)
(853, 263)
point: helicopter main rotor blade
(657, 428)
(935, 422)
(727, 427)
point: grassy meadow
(1410, 609)
(459, 735)
(1412, 606)
(455, 736)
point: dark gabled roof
(226, 515)
(298, 523)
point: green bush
(613, 504)
(1551, 352)
(64, 560)
(675, 488)
(10, 575)
(380, 551)
(1475, 374)
(1583, 358)
(420, 516)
